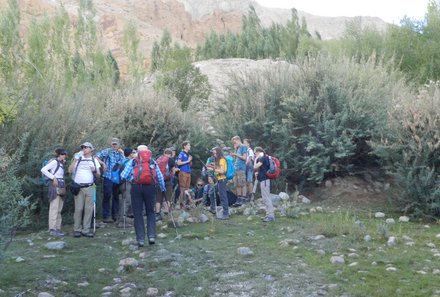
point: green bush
(317, 117)
(411, 150)
(15, 208)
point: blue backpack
(230, 170)
(117, 170)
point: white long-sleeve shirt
(50, 168)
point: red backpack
(274, 169)
(162, 162)
(144, 172)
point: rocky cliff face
(188, 21)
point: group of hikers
(153, 186)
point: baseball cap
(115, 141)
(88, 144)
(61, 151)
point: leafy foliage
(15, 208)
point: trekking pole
(94, 208)
(171, 210)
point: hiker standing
(261, 166)
(219, 170)
(110, 157)
(240, 155)
(145, 175)
(167, 166)
(125, 187)
(54, 171)
(184, 163)
(85, 169)
(249, 166)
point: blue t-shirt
(183, 156)
(240, 165)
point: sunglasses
(199, 185)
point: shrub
(411, 150)
(15, 209)
(316, 116)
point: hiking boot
(151, 240)
(88, 234)
(268, 219)
(76, 234)
(107, 220)
(54, 232)
(212, 211)
(60, 233)
(141, 243)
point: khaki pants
(55, 208)
(82, 218)
(265, 193)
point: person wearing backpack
(110, 157)
(125, 188)
(54, 171)
(84, 169)
(145, 175)
(240, 156)
(261, 166)
(219, 171)
(167, 167)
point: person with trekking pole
(84, 169)
(261, 167)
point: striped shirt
(127, 174)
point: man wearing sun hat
(110, 157)
(84, 169)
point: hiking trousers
(265, 193)
(55, 208)
(143, 195)
(111, 192)
(82, 218)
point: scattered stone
(288, 241)
(83, 284)
(125, 292)
(333, 286)
(437, 255)
(426, 226)
(328, 184)
(391, 269)
(128, 241)
(49, 256)
(245, 251)
(337, 260)
(321, 252)
(353, 255)
(161, 235)
(360, 225)
(431, 245)
(152, 292)
(421, 272)
(406, 238)
(390, 221)
(203, 218)
(312, 210)
(379, 215)
(275, 199)
(436, 271)
(437, 236)
(56, 245)
(404, 219)
(392, 241)
(45, 294)
(319, 209)
(110, 288)
(353, 264)
(374, 263)
(410, 243)
(304, 199)
(129, 262)
(19, 259)
(367, 238)
(284, 196)
(318, 237)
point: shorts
(239, 179)
(249, 175)
(184, 180)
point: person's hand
(190, 158)
(55, 182)
(121, 151)
(104, 167)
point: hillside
(188, 21)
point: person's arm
(160, 179)
(127, 173)
(97, 171)
(180, 162)
(72, 166)
(46, 170)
